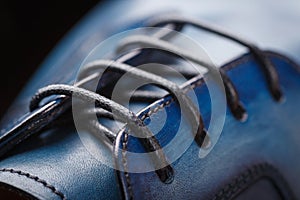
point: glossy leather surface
(109, 18)
(56, 165)
(270, 135)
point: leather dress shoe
(255, 156)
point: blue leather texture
(62, 162)
(56, 165)
(112, 17)
(270, 135)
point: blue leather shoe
(146, 114)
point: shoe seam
(226, 67)
(249, 177)
(155, 110)
(36, 179)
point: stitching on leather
(155, 110)
(124, 160)
(199, 82)
(193, 86)
(148, 114)
(245, 179)
(241, 181)
(234, 63)
(37, 179)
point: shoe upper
(258, 156)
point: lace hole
(240, 112)
(166, 174)
(202, 139)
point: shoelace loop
(110, 109)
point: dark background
(29, 30)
